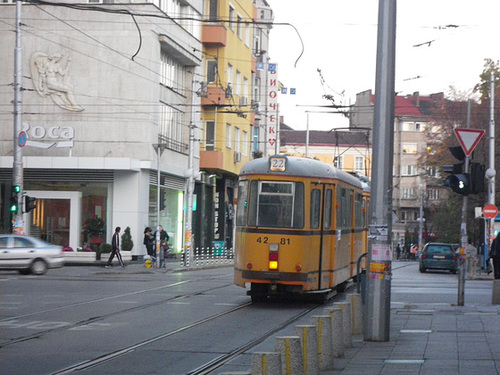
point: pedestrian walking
(398, 252)
(163, 238)
(494, 254)
(115, 245)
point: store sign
(47, 137)
(272, 122)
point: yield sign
(469, 138)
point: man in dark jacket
(115, 245)
(495, 256)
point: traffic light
(29, 203)
(14, 203)
(477, 173)
(460, 183)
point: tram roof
(297, 166)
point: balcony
(214, 96)
(214, 35)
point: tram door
(321, 221)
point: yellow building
(227, 39)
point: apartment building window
(244, 144)
(409, 148)
(228, 135)
(237, 139)
(433, 172)
(408, 170)
(247, 34)
(210, 136)
(433, 194)
(211, 71)
(171, 123)
(256, 89)
(173, 74)
(237, 84)
(359, 164)
(409, 215)
(338, 162)
(230, 75)
(245, 87)
(408, 193)
(256, 42)
(231, 17)
(239, 27)
(213, 10)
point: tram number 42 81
(283, 240)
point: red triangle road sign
(469, 138)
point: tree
(127, 243)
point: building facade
(108, 102)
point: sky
(340, 39)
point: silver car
(28, 254)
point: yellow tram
(301, 226)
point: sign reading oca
(52, 132)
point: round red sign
(490, 211)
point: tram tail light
(273, 260)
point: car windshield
(439, 250)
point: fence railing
(207, 256)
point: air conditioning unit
(237, 157)
(243, 101)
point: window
(344, 211)
(359, 164)
(315, 205)
(245, 87)
(433, 194)
(242, 204)
(231, 17)
(338, 162)
(229, 75)
(409, 148)
(433, 172)
(171, 123)
(408, 170)
(247, 34)
(279, 204)
(328, 209)
(408, 193)
(245, 145)
(237, 84)
(239, 27)
(210, 136)
(228, 136)
(211, 71)
(236, 139)
(172, 74)
(213, 11)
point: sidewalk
(430, 338)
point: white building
(100, 88)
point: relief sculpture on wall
(50, 79)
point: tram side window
(252, 203)
(328, 209)
(241, 208)
(315, 206)
(345, 210)
(358, 203)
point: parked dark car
(28, 254)
(438, 256)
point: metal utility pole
(378, 299)
(190, 176)
(491, 173)
(463, 228)
(17, 170)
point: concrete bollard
(266, 363)
(357, 313)
(291, 355)
(495, 295)
(347, 316)
(309, 339)
(323, 324)
(337, 331)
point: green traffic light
(13, 208)
(16, 189)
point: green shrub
(127, 243)
(105, 248)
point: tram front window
(280, 204)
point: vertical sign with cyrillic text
(272, 109)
